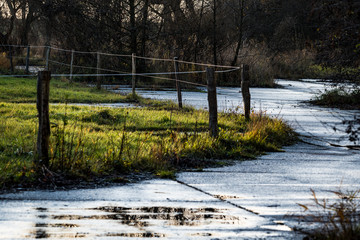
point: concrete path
(250, 200)
(273, 185)
(152, 209)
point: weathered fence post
(71, 65)
(47, 58)
(98, 65)
(178, 86)
(212, 99)
(27, 61)
(42, 104)
(245, 85)
(133, 64)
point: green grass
(88, 142)
(337, 74)
(23, 90)
(338, 97)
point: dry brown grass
(338, 219)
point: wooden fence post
(212, 99)
(47, 58)
(42, 104)
(133, 64)
(245, 85)
(98, 65)
(27, 61)
(178, 86)
(71, 65)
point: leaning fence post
(71, 65)
(42, 104)
(98, 65)
(133, 64)
(178, 86)
(213, 119)
(27, 61)
(245, 85)
(47, 58)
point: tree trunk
(241, 25)
(144, 36)
(13, 12)
(199, 31)
(214, 32)
(144, 26)
(133, 31)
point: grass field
(23, 90)
(89, 142)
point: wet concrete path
(250, 200)
(152, 209)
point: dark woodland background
(278, 38)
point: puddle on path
(127, 222)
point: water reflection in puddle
(135, 222)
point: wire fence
(103, 68)
(110, 68)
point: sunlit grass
(88, 142)
(337, 74)
(339, 97)
(23, 90)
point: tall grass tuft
(336, 220)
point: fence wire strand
(111, 72)
(190, 63)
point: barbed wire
(162, 76)
(22, 46)
(83, 52)
(70, 51)
(127, 55)
(172, 79)
(111, 72)
(19, 76)
(9, 45)
(227, 71)
(114, 55)
(117, 71)
(187, 62)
